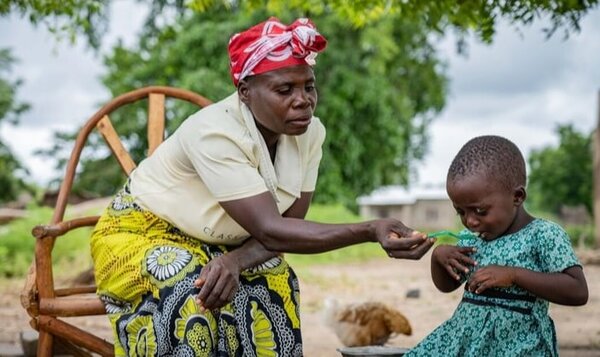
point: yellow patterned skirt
(145, 269)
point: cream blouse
(217, 154)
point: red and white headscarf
(272, 45)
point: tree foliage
(479, 16)
(89, 17)
(11, 171)
(64, 18)
(379, 87)
(562, 175)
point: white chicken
(365, 324)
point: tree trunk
(597, 176)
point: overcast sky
(519, 87)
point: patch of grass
(331, 213)
(71, 252)
(17, 245)
(356, 253)
(352, 254)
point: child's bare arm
(568, 287)
(448, 263)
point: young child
(513, 267)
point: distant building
(425, 208)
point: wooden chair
(47, 304)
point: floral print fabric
(145, 269)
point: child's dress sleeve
(555, 250)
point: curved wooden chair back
(45, 303)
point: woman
(187, 253)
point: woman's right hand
(453, 259)
(400, 241)
(218, 282)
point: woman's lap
(145, 269)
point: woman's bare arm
(219, 278)
(259, 216)
(252, 252)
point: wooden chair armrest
(81, 305)
(29, 293)
(58, 229)
(75, 290)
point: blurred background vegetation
(72, 250)
(381, 83)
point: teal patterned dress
(505, 321)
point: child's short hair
(496, 157)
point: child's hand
(454, 259)
(491, 276)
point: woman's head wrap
(271, 45)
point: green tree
(11, 170)
(89, 17)
(562, 175)
(66, 18)
(380, 85)
(479, 16)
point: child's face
(484, 206)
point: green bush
(581, 235)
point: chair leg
(45, 344)
(69, 348)
(75, 335)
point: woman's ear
(243, 91)
(519, 195)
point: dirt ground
(386, 280)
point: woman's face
(282, 101)
(484, 206)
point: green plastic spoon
(452, 234)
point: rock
(413, 293)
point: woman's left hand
(490, 277)
(218, 282)
(401, 242)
